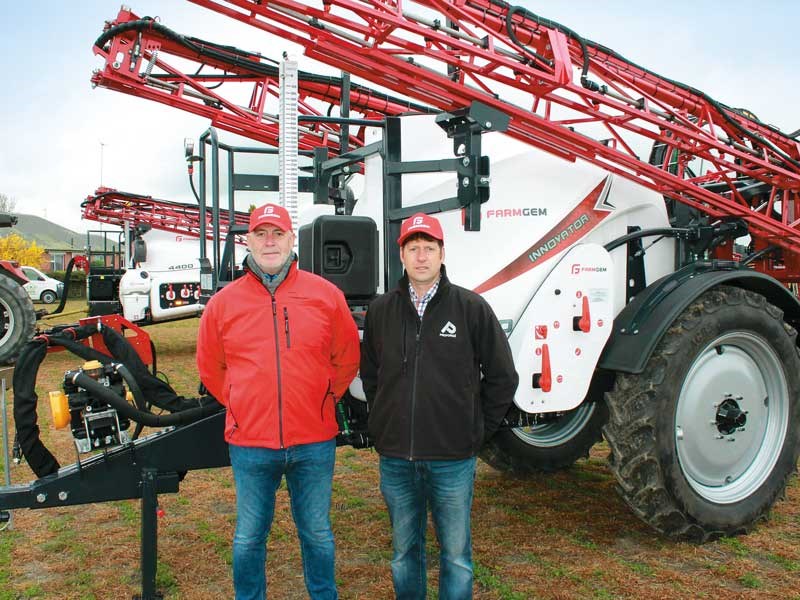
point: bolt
(488, 124)
(731, 439)
(728, 479)
(62, 495)
(484, 180)
(465, 182)
(465, 161)
(679, 433)
(40, 498)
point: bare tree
(7, 203)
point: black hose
(585, 43)
(194, 190)
(510, 30)
(142, 384)
(39, 458)
(756, 255)
(138, 397)
(157, 392)
(240, 59)
(662, 231)
(98, 390)
(67, 285)
(84, 352)
(512, 10)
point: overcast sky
(742, 53)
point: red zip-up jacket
(278, 364)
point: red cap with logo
(271, 214)
(420, 223)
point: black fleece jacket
(439, 386)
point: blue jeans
(409, 487)
(309, 477)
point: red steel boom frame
(449, 53)
(136, 54)
(110, 206)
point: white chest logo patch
(449, 330)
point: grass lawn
(561, 536)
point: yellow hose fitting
(59, 407)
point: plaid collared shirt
(421, 303)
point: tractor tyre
(552, 445)
(704, 440)
(17, 319)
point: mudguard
(641, 324)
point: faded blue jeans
(309, 476)
(409, 487)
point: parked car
(41, 286)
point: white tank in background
(165, 283)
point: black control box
(343, 250)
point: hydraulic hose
(146, 388)
(67, 285)
(133, 385)
(241, 60)
(39, 458)
(593, 86)
(145, 418)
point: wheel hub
(730, 416)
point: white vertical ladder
(288, 141)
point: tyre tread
(17, 300)
(632, 425)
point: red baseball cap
(272, 214)
(420, 223)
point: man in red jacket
(278, 347)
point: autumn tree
(15, 247)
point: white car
(42, 287)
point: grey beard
(271, 283)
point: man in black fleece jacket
(439, 378)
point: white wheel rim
(7, 324)
(724, 463)
(559, 431)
